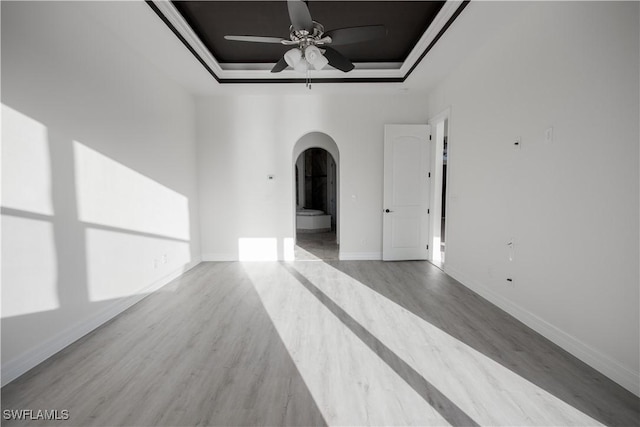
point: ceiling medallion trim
(260, 73)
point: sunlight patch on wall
(121, 264)
(29, 267)
(289, 249)
(257, 249)
(26, 165)
(113, 195)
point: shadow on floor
(202, 352)
(429, 293)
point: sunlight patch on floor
(350, 384)
(304, 255)
(486, 391)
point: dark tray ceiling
(405, 21)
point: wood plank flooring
(316, 246)
(317, 343)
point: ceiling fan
(311, 42)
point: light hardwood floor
(316, 246)
(316, 343)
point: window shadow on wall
(82, 239)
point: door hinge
(428, 211)
(429, 137)
(427, 247)
(429, 175)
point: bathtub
(312, 221)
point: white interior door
(405, 222)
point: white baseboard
(622, 375)
(344, 256)
(219, 257)
(12, 369)
(360, 256)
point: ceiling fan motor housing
(304, 38)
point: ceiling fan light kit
(307, 35)
(293, 57)
(320, 63)
(301, 66)
(302, 61)
(313, 55)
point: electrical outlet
(164, 258)
(548, 135)
(155, 263)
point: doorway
(443, 216)
(316, 196)
(441, 149)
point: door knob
(387, 210)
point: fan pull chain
(308, 81)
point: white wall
(243, 139)
(571, 204)
(99, 181)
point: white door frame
(437, 148)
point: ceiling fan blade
(356, 34)
(280, 65)
(299, 15)
(337, 60)
(256, 39)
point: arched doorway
(316, 166)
